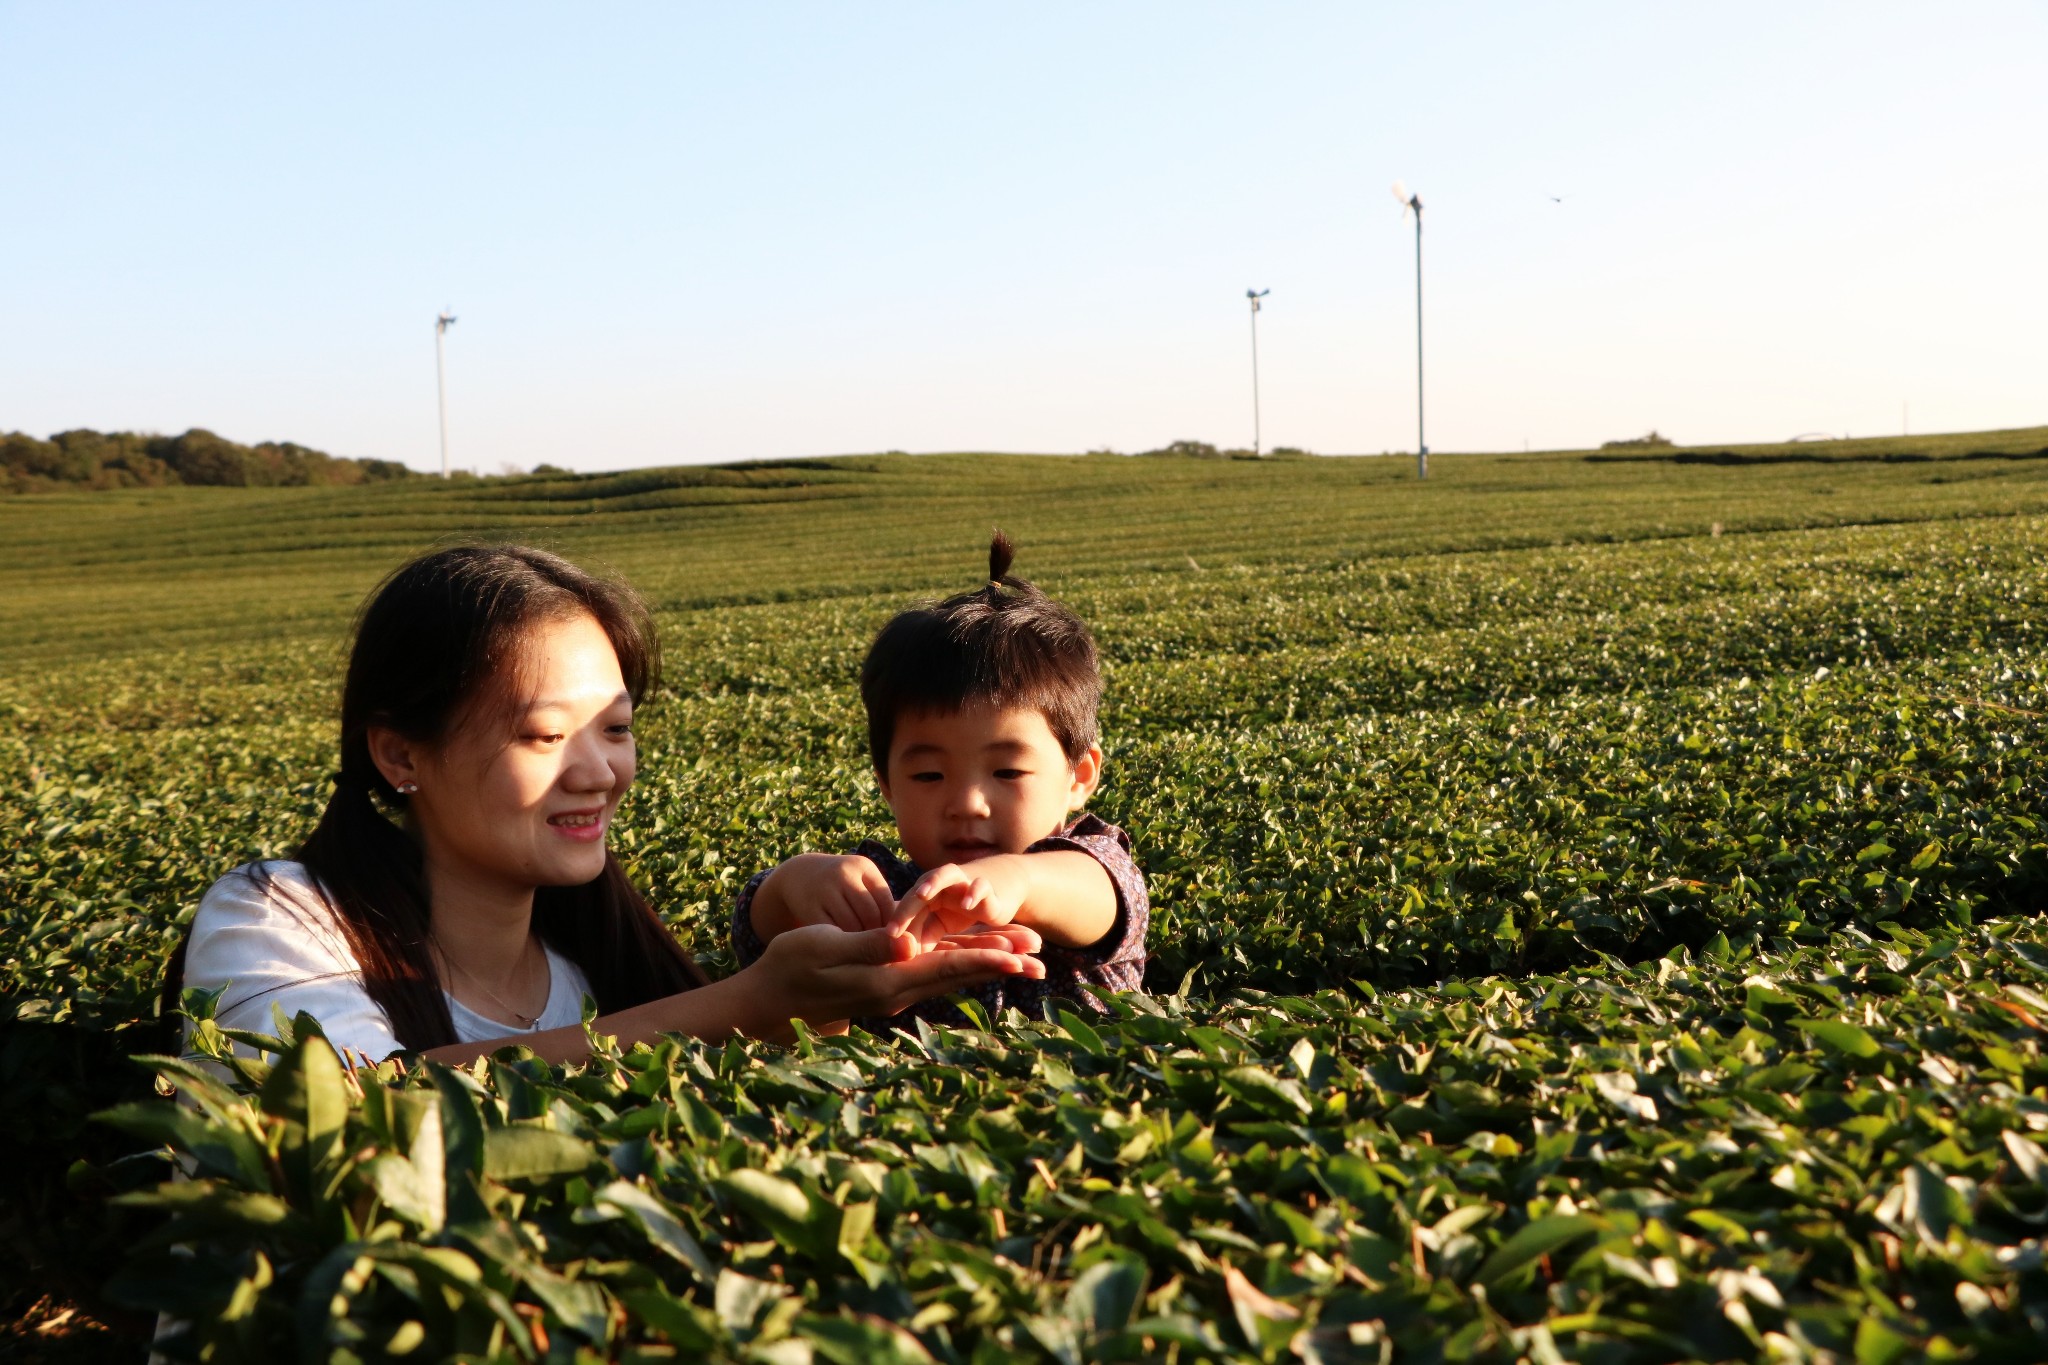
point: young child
(981, 725)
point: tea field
(1594, 918)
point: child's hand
(847, 891)
(956, 898)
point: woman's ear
(1087, 773)
(396, 757)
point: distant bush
(1189, 450)
(125, 459)
(1202, 450)
(1653, 441)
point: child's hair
(1005, 645)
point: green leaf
(861, 1340)
(406, 1192)
(781, 1206)
(660, 1226)
(1840, 1035)
(1080, 1031)
(524, 1153)
(1103, 1297)
(1269, 1093)
(1877, 1344)
(220, 1148)
(688, 1327)
(458, 1137)
(1532, 1242)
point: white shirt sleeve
(266, 933)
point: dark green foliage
(1737, 1153)
(124, 459)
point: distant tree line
(127, 459)
(1654, 441)
(1202, 450)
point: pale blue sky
(696, 233)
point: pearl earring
(408, 788)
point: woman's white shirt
(266, 933)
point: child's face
(979, 781)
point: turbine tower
(1254, 295)
(1412, 203)
(441, 325)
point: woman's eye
(621, 731)
(545, 739)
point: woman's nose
(591, 766)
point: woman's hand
(820, 974)
(815, 973)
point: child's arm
(822, 888)
(1064, 894)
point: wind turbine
(441, 325)
(1254, 295)
(1412, 203)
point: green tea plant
(1833, 1150)
(1475, 784)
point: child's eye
(1011, 774)
(927, 777)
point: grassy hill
(115, 572)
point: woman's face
(522, 797)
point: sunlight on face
(970, 783)
(523, 797)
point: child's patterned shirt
(1116, 961)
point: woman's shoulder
(267, 884)
(265, 937)
(275, 903)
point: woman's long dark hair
(438, 637)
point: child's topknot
(1000, 555)
(1005, 644)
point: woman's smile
(584, 826)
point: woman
(489, 706)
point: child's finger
(845, 913)
(920, 897)
(880, 898)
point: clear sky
(686, 233)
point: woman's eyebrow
(551, 704)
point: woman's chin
(573, 867)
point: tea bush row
(1457, 764)
(1743, 1152)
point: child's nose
(970, 801)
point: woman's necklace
(525, 1020)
